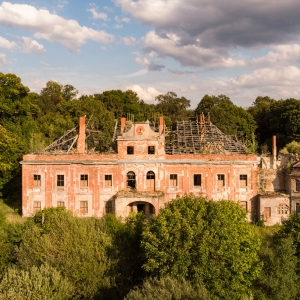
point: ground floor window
(83, 207)
(36, 206)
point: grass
(12, 216)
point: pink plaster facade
(140, 176)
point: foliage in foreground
(206, 242)
(168, 289)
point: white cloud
(138, 73)
(3, 60)
(283, 54)
(29, 45)
(97, 15)
(151, 66)
(129, 41)
(4, 43)
(126, 20)
(147, 94)
(50, 26)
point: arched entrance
(141, 207)
(131, 182)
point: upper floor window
(297, 185)
(220, 180)
(173, 180)
(37, 180)
(107, 180)
(130, 150)
(60, 181)
(84, 180)
(197, 179)
(243, 180)
(131, 182)
(151, 150)
(150, 180)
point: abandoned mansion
(151, 166)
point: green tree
(206, 242)
(229, 118)
(168, 289)
(38, 283)
(277, 279)
(173, 107)
(77, 247)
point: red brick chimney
(123, 124)
(81, 136)
(161, 125)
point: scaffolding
(201, 137)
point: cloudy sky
(242, 49)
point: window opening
(297, 208)
(197, 179)
(243, 180)
(130, 150)
(267, 212)
(37, 180)
(60, 181)
(107, 180)
(244, 205)
(36, 206)
(83, 180)
(283, 209)
(83, 207)
(220, 180)
(173, 180)
(141, 208)
(297, 185)
(151, 150)
(150, 180)
(60, 204)
(131, 182)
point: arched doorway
(150, 180)
(131, 182)
(141, 207)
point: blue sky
(242, 49)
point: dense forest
(194, 249)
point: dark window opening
(107, 180)
(150, 180)
(37, 180)
(60, 181)
(243, 180)
(131, 182)
(173, 180)
(83, 180)
(151, 150)
(197, 179)
(297, 208)
(220, 180)
(297, 185)
(130, 150)
(141, 208)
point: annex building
(149, 167)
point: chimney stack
(161, 125)
(81, 136)
(274, 150)
(123, 124)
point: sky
(242, 49)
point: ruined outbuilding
(149, 168)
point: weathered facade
(149, 168)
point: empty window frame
(173, 180)
(36, 206)
(131, 182)
(244, 205)
(130, 150)
(150, 180)
(297, 208)
(283, 209)
(297, 185)
(220, 180)
(37, 180)
(84, 180)
(243, 180)
(197, 180)
(151, 150)
(60, 204)
(60, 181)
(108, 181)
(83, 207)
